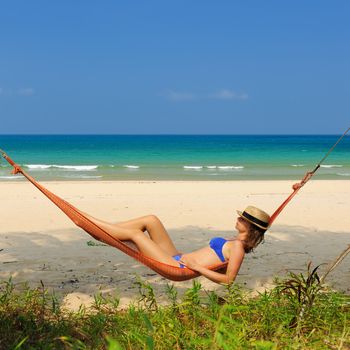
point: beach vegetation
(300, 312)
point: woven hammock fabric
(168, 271)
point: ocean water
(174, 157)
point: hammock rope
(305, 179)
(170, 272)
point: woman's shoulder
(237, 244)
(235, 250)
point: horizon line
(169, 134)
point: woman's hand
(190, 263)
(306, 178)
(297, 186)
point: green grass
(299, 313)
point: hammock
(170, 272)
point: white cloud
(9, 92)
(179, 96)
(225, 94)
(5, 92)
(26, 92)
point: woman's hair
(254, 238)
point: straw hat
(255, 216)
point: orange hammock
(170, 272)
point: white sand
(39, 243)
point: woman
(251, 226)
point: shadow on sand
(67, 265)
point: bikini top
(216, 244)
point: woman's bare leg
(155, 229)
(144, 243)
(149, 223)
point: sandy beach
(39, 243)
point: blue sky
(174, 67)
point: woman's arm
(235, 261)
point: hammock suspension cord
(305, 179)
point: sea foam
(12, 177)
(77, 167)
(131, 166)
(194, 167)
(229, 167)
(66, 167)
(82, 177)
(331, 166)
(221, 167)
(37, 166)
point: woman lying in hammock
(251, 225)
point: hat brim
(252, 222)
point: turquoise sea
(174, 157)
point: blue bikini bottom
(178, 258)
